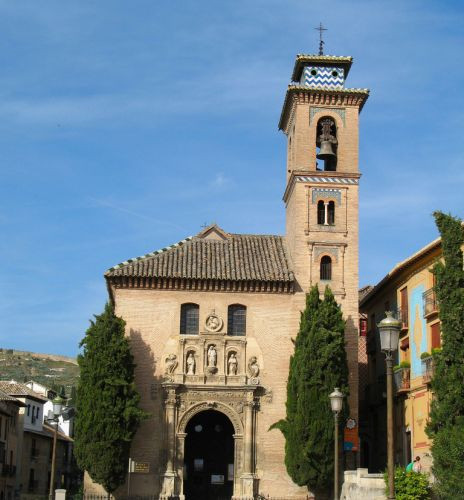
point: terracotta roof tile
(234, 257)
(6, 397)
(13, 388)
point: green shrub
(397, 368)
(436, 351)
(425, 355)
(405, 364)
(448, 454)
(409, 485)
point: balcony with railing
(403, 317)
(402, 378)
(430, 303)
(428, 369)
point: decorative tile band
(328, 77)
(326, 180)
(325, 194)
(318, 251)
(315, 110)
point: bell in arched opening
(327, 143)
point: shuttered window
(236, 321)
(189, 314)
(436, 339)
(404, 306)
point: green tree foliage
(107, 401)
(446, 423)
(73, 396)
(409, 485)
(317, 366)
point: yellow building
(408, 290)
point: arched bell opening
(209, 453)
(326, 144)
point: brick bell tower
(320, 119)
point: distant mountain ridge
(54, 357)
(51, 370)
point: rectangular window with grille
(236, 320)
(189, 319)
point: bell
(326, 152)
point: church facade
(211, 318)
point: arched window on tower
(320, 212)
(326, 268)
(326, 144)
(189, 314)
(236, 321)
(331, 213)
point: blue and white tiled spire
(321, 71)
(330, 77)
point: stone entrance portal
(231, 408)
(209, 457)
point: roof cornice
(299, 94)
(400, 268)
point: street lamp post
(336, 403)
(57, 407)
(389, 330)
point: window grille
(326, 268)
(189, 314)
(236, 320)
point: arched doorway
(209, 457)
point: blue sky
(124, 126)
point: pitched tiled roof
(362, 292)
(6, 397)
(227, 257)
(14, 388)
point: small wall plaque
(142, 467)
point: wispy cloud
(119, 208)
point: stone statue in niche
(211, 360)
(190, 362)
(232, 364)
(212, 356)
(171, 364)
(253, 367)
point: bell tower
(320, 118)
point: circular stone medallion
(213, 323)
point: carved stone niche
(213, 359)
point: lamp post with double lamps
(336, 403)
(389, 331)
(58, 403)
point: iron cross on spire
(321, 28)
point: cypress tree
(446, 424)
(107, 402)
(317, 366)
(73, 396)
